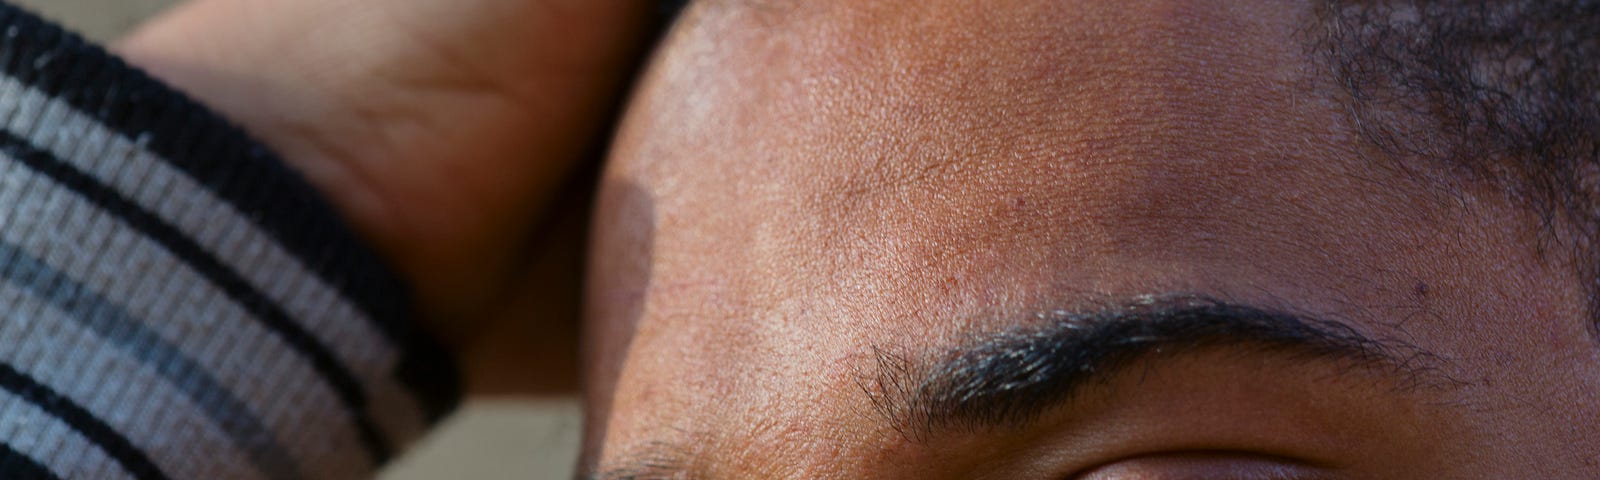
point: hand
(441, 128)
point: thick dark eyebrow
(1008, 378)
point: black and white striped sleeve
(174, 302)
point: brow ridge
(1008, 378)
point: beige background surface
(488, 439)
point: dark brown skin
(800, 183)
(444, 129)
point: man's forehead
(1058, 109)
(914, 198)
(894, 203)
(844, 108)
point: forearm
(440, 127)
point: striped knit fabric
(174, 302)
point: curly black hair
(1506, 93)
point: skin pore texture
(817, 211)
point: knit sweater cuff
(174, 301)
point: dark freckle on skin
(1421, 289)
(1021, 202)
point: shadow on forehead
(1007, 378)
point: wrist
(438, 127)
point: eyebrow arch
(656, 461)
(1008, 378)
